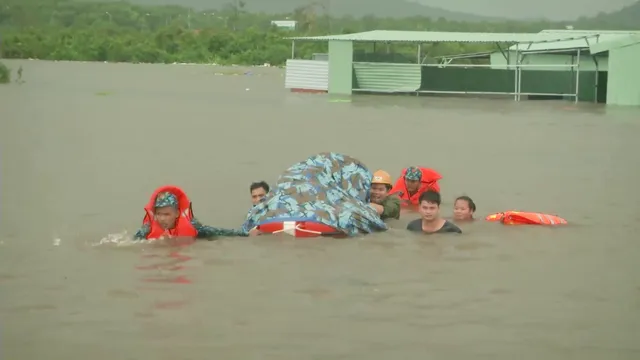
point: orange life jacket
(429, 181)
(183, 227)
(526, 218)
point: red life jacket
(429, 181)
(183, 227)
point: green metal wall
(387, 77)
(603, 82)
(587, 62)
(469, 80)
(560, 82)
(587, 89)
(624, 76)
(495, 80)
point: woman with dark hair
(463, 209)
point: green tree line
(125, 32)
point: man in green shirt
(388, 207)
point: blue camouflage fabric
(329, 188)
(413, 173)
(166, 199)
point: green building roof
(436, 36)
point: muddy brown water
(84, 144)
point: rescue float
(513, 217)
(299, 228)
(325, 195)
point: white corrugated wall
(307, 75)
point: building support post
(293, 49)
(578, 76)
(597, 84)
(515, 74)
(504, 55)
(521, 55)
(419, 62)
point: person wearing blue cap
(169, 214)
(413, 182)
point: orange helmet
(381, 177)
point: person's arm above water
(142, 233)
(208, 232)
(391, 208)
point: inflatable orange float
(512, 217)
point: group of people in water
(417, 187)
(169, 214)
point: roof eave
(605, 46)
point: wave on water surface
(124, 239)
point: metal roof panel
(580, 39)
(614, 44)
(437, 36)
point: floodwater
(84, 145)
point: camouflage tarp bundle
(329, 188)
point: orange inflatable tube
(512, 217)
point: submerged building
(578, 65)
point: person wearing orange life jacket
(169, 214)
(387, 206)
(414, 182)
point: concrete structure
(565, 65)
(623, 85)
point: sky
(521, 9)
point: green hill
(356, 8)
(627, 18)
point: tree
(124, 32)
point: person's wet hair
(472, 205)
(258, 185)
(430, 196)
